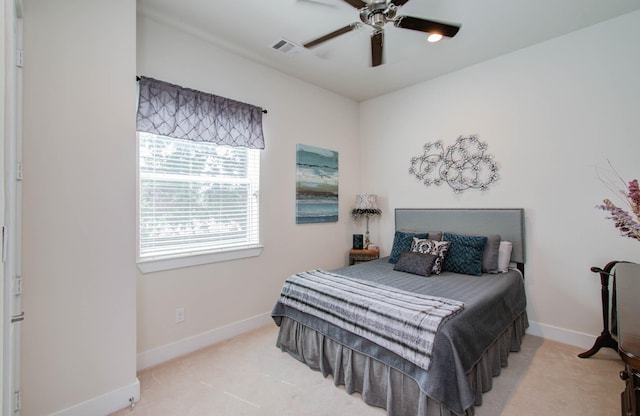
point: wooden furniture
(630, 397)
(360, 256)
(628, 308)
(605, 340)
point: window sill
(156, 265)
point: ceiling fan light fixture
(434, 37)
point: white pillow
(504, 256)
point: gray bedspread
(491, 303)
(400, 321)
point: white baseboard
(120, 398)
(176, 349)
(106, 403)
(167, 352)
(566, 336)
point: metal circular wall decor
(463, 165)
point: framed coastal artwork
(316, 185)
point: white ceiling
(490, 28)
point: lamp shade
(366, 201)
(366, 205)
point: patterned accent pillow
(465, 255)
(415, 263)
(402, 242)
(437, 248)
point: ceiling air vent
(286, 47)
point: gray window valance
(171, 110)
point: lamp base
(367, 241)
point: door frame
(10, 205)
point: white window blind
(196, 197)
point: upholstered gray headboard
(507, 222)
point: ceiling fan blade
(429, 26)
(377, 41)
(358, 4)
(328, 36)
(399, 2)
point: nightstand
(360, 256)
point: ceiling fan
(376, 14)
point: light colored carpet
(248, 375)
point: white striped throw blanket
(400, 321)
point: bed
(485, 318)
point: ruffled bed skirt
(383, 386)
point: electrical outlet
(179, 315)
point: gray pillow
(415, 263)
(490, 254)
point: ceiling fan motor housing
(378, 14)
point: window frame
(189, 258)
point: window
(195, 199)
(198, 176)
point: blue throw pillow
(465, 254)
(402, 242)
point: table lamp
(366, 206)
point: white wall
(236, 293)
(79, 272)
(550, 114)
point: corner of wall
(106, 403)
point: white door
(10, 196)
